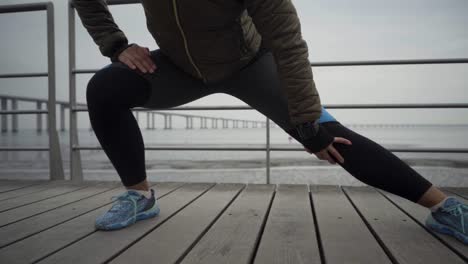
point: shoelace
(125, 197)
(457, 210)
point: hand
(136, 56)
(324, 155)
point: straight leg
(258, 85)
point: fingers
(127, 61)
(138, 57)
(145, 60)
(329, 158)
(336, 154)
(342, 140)
(323, 155)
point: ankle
(438, 205)
(147, 193)
(141, 186)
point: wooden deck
(53, 222)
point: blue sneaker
(450, 219)
(128, 208)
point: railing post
(4, 117)
(76, 173)
(55, 156)
(268, 151)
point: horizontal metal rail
(31, 99)
(349, 63)
(23, 75)
(15, 112)
(421, 150)
(116, 2)
(388, 62)
(24, 149)
(329, 106)
(23, 7)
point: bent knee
(99, 87)
(116, 86)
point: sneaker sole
(432, 224)
(150, 213)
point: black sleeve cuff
(115, 56)
(319, 141)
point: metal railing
(76, 171)
(55, 158)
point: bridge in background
(150, 116)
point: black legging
(116, 88)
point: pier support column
(62, 117)
(4, 117)
(148, 120)
(167, 121)
(214, 123)
(14, 118)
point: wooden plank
(101, 245)
(11, 185)
(343, 234)
(37, 223)
(53, 191)
(420, 213)
(27, 190)
(406, 241)
(170, 241)
(289, 235)
(51, 240)
(233, 238)
(29, 210)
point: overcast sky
(337, 30)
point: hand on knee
(330, 153)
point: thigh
(259, 86)
(169, 85)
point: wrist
(314, 137)
(115, 56)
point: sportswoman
(250, 49)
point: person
(252, 50)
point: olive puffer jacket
(212, 39)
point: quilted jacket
(212, 39)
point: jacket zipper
(185, 41)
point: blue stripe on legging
(326, 116)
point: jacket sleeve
(278, 24)
(100, 24)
